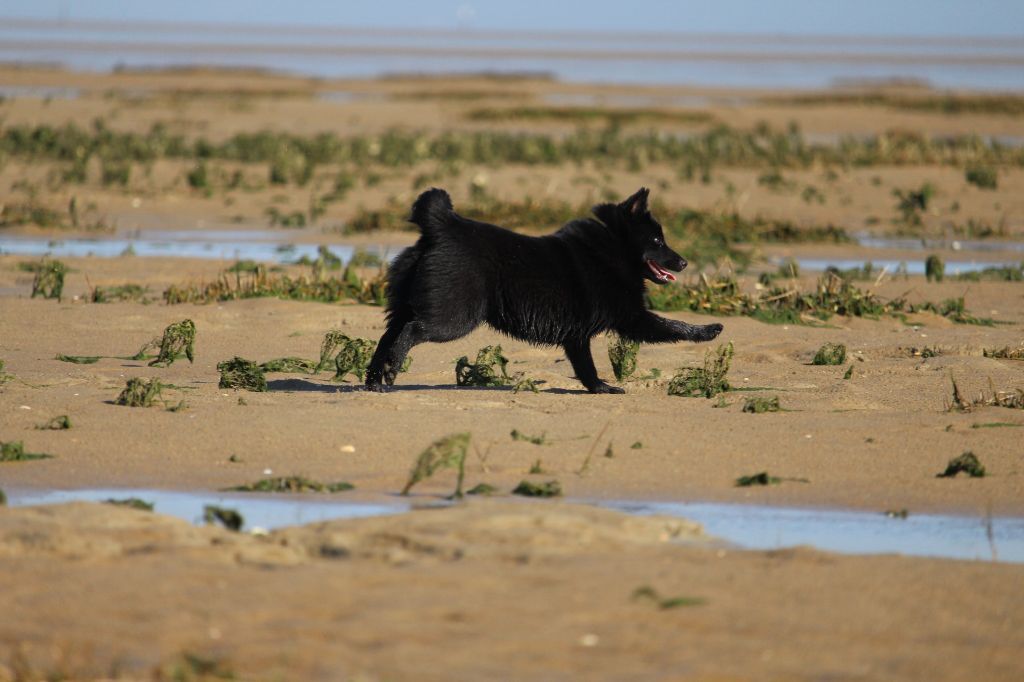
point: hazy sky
(862, 17)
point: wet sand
(500, 589)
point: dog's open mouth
(660, 273)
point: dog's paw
(605, 388)
(710, 331)
(376, 387)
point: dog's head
(645, 236)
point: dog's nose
(681, 265)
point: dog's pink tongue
(663, 272)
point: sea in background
(657, 58)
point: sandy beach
(498, 588)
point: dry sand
(494, 589)
(487, 591)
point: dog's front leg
(651, 328)
(582, 361)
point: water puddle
(891, 265)
(345, 96)
(923, 243)
(223, 245)
(583, 99)
(268, 246)
(38, 92)
(746, 526)
(259, 510)
(848, 532)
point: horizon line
(540, 34)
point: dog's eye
(657, 242)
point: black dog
(560, 289)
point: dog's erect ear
(636, 204)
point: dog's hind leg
(650, 328)
(401, 336)
(392, 348)
(582, 361)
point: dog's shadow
(293, 385)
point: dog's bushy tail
(431, 210)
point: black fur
(561, 289)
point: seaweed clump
(241, 373)
(142, 354)
(290, 365)
(830, 354)
(131, 503)
(760, 405)
(445, 453)
(49, 279)
(984, 177)
(140, 393)
(550, 488)
(350, 355)
(622, 354)
(536, 440)
(707, 381)
(1005, 353)
(329, 346)
(764, 478)
(14, 451)
(833, 295)
(646, 592)
(354, 357)
(934, 268)
(178, 338)
(967, 463)
(491, 369)
(229, 518)
(122, 292)
(292, 484)
(58, 423)
(761, 478)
